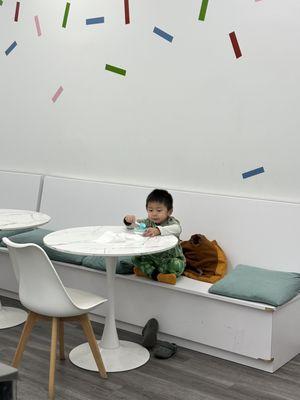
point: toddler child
(168, 265)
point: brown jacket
(205, 260)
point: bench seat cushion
(36, 236)
(11, 233)
(259, 285)
(124, 265)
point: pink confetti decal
(37, 25)
(57, 94)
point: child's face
(158, 212)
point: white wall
(187, 115)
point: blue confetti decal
(253, 172)
(92, 21)
(11, 47)
(163, 34)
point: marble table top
(107, 241)
(20, 219)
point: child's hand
(130, 219)
(152, 232)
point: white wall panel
(188, 114)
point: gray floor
(187, 376)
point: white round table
(109, 242)
(12, 220)
(21, 219)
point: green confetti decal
(117, 70)
(67, 9)
(203, 10)
(1, 2)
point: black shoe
(165, 350)
(149, 333)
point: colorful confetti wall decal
(11, 47)
(57, 94)
(163, 34)
(253, 172)
(66, 14)
(92, 21)
(126, 10)
(37, 25)
(117, 70)
(203, 10)
(235, 45)
(17, 11)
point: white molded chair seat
(43, 293)
(84, 300)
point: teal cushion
(11, 233)
(124, 265)
(36, 236)
(258, 284)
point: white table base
(127, 356)
(10, 317)
(118, 355)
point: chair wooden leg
(61, 340)
(31, 319)
(89, 333)
(53, 358)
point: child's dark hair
(160, 196)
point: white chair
(43, 293)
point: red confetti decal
(235, 45)
(17, 11)
(126, 8)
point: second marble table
(109, 242)
(11, 219)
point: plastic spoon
(141, 225)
